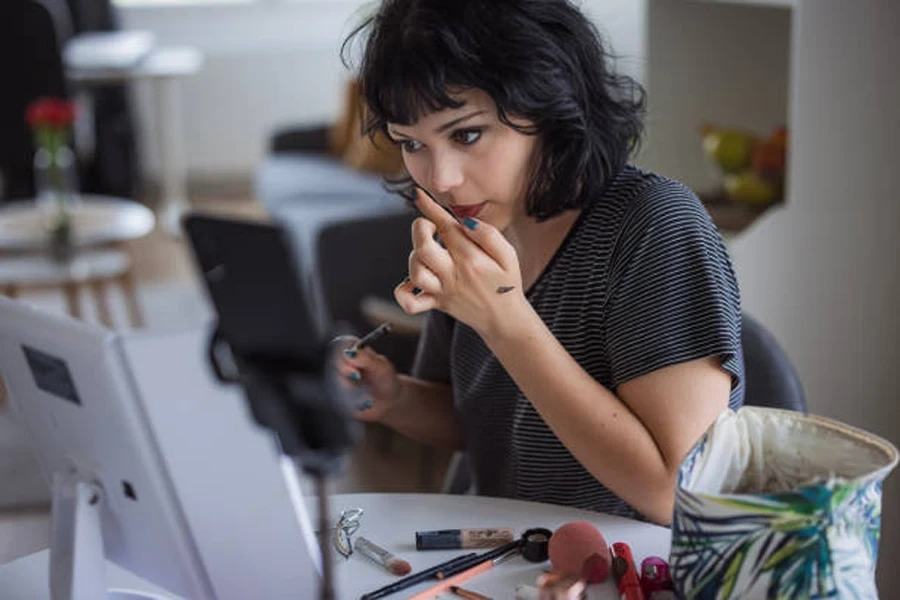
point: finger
(355, 369)
(489, 239)
(346, 366)
(413, 303)
(350, 374)
(447, 226)
(423, 232)
(363, 406)
(427, 250)
(423, 278)
(433, 211)
(361, 359)
(434, 257)
(342, 342)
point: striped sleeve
(673, 294)
(432, 362)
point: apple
(780, 136)
(769, 160)
(749, 188)
(729, 148)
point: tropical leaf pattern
(817, 541)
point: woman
(584, 326)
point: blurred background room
(783, 115)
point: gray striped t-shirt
(642, 281)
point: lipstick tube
(625, 573)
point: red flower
(50, 112)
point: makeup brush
(383, 557)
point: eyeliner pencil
(371, 337)
(479, 558)
(415, 578)
(452, 582)
(468, 594)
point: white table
(163, 66)
(391, 520)
(96, 220)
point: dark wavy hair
(539, 60)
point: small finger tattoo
(505, 288)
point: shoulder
(637, 197)
(660, 200)
(663, 210)
(665, 226)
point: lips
(467, 211)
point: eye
(466, 137)
(410, 146)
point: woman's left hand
(475, 279)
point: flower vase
(56, 188)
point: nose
(445, 173)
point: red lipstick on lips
(468, 210)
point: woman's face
(468, 160)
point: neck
(536, 242)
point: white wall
(823, 273)
(275, 63)
(623, 25)
(266, 65)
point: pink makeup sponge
(579, 549)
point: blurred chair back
(94, 15)
(110, 163)
(30, 67)
(770, 378)
(362, 257)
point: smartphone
(277, 345)
(264, 299)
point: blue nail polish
(470, 223)
(354, 377)
(416, 291)
(350, 353)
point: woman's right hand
(373, 375)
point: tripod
(300, 401)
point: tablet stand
(299, 400)
(77, 560)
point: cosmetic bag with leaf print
(777, 504)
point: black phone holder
(299, 400)
(302, 404)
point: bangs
(409, 78)
(406, 96)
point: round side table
(96, 220)
(99, 224)
(95, 270)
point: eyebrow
(445, 126)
